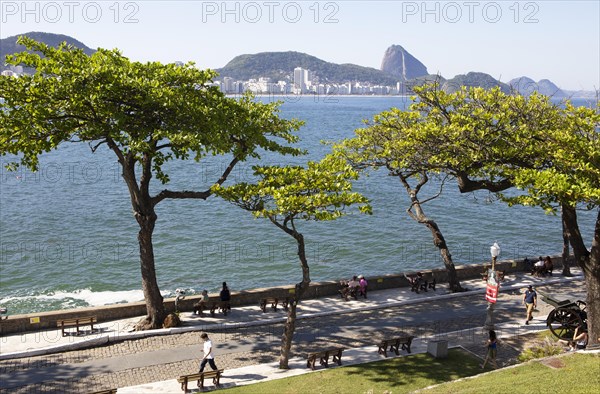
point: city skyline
(555, 40)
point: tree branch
(466, 185)
(186, 194)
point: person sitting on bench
(548, 266)
(201, 304)
(539, 267)
(353, 287)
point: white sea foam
(91, 298)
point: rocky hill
(9, 45)
(526, 86)
(399, 63)
(280, 65)
(473, 79)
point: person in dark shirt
(225, 296)
(530, 302)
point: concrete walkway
(51, 341)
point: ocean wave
(89, 297)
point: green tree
(391, 141)
(493, 141)
(572, 179)
(488, 140)
(147, 114)
(286, 195)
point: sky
(555, 40)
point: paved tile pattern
(351, 329)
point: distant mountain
(473, 79)
(399, 63)
(526, 86)
(280, 65)
(9, 45)
(397, 66)
(548, 88)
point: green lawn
(397, 375)
(579, 373)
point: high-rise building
(301, 80)
(228, 86)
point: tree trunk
(290, 324)
(592, 282)
(438, 239)
(154, 300)
(440, 242)
(288, 335)
(569, 218)
(589, 262)
(145, 215)
(565, 251)
(591, 270)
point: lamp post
(495, 252)
(492, 283)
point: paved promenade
(247, 340)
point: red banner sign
(491, 293)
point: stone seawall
(48, 320)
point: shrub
(545, 348)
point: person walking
(492, 347)
(209, 355)
(530, 302)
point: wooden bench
(323, 357)
(395, 344)
(77, 323)
(3, 313)
(200, 376)
(221, 306)
(199, 307)
(420, 284)
(274, 303)
(109, 391)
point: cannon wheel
(562, 322)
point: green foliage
(146, 112)
(573, 149)
(9, 45)
(545, 348)
(320, 191)
(490, 138)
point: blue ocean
(68, 237)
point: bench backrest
(326, 352)
(80, 320)
(197, 375)
(406, 339)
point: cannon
(565, 317)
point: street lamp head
(495, 250)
